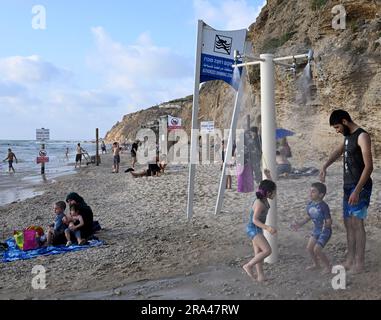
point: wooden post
(97, 147)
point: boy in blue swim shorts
(360, 209)
(318, 211)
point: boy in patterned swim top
(318, 211)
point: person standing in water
(10, 158)
(103, 147)
(78, 156)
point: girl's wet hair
(265, 187)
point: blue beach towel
(13, 253)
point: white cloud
(145, 73)
(10, 89)
(37, 93)
(30, 70)
(228, 14)
(84, 99)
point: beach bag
(19, 239)
(39, 230)
(30, 240)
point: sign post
(214, 61)
(97, 146)
(42, 154)
(207, 129)
(42, 135)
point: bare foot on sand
(347, 265)
(326, 271)
(249, 271)
(261, 278)
(356, 270)
(313, 267)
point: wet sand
(151, 251)
(15, 187)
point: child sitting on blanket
(75, 222)
(56, 230)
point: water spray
(310, 55)
(237, 56)
(267, 64)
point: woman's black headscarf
(76, 197)
(85, 211)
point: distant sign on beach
(42, 159)
(174, 123)
(42, 134)
(207, 126)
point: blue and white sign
(217, 56)
(207, 127)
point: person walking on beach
(103, 147)
(134, 150)
(78, 156)
(254, 229)
(67, 153)
(318, 211)
(10, 158)
(230, 166)
(116, 155)
(358, 167)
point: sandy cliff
(346, 74)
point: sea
(21, 184)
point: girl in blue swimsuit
(256, 225)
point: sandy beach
(152, 251)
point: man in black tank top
(358, 166)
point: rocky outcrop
(346, 73)
(127, 129)
(346, 70)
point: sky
(73, 66)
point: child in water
(256, 225)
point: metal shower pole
(268, 118)
(194, 131)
